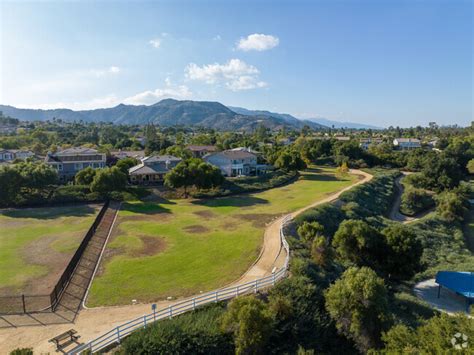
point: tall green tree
(248, 319)
(290, 161)
(194, 172)
(108, 180)
(356, 242)
(357, 302)
(85, 176)
(10, 182)
(404, 252)
(126, 163)
(441, 334)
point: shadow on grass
(312, 176)
(51, 212)
(234, 201)
(145, 208)
(407, 307)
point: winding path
(92, 322)
(395, 213)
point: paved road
(91, 323)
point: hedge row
(249, 184)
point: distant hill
(338, 124)
(323, 122)
(284, 116)
(167, 112)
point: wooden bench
(64, 339)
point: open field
(37, 243)
(181, 247)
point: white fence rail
(115, 335)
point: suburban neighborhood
(236, 178)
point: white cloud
(155, 43)
(217, 38)
(153, 96)
(99, 102)
(114, 70)
(257, 42)
(235, 74)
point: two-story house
(8, 155)
(152, 170)
(234, 162)
(69, 161)
(406, 143)
(365, 143)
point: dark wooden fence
(21, 304)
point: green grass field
(181, 247)
(37, 243)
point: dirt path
(91, 323)
(395, 214)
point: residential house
(152, 169)
(201, 150)
(8, 155)
(234, 162)
(122, 154)
(69, 161)
(342, 138)
(406, 143)
(366, 142)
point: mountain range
(170, 112)
(319, 120)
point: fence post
(273, 281)
(256, 285)
(217, 296)
(144, 321)
(194, 304)
(118, 335)
(23, 303)
(237, 292)
(170, 311)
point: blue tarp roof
(457, 281)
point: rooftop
(209, 148)
(160, 158)
(408, 140)
(76, 151)
(236, 154)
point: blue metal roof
(457, 281)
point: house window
(78, 166)
(95, 165)
(59, 167)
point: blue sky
(381, 62)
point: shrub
(197, 332)
(248, 184)
(358, 304)
(22, 351)
(328, 215)
(415, 200)
(249, 320)
(434, 336)
(451, 206)
(375, 197)
(404, 251)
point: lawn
(181, 247)
(37, 243)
